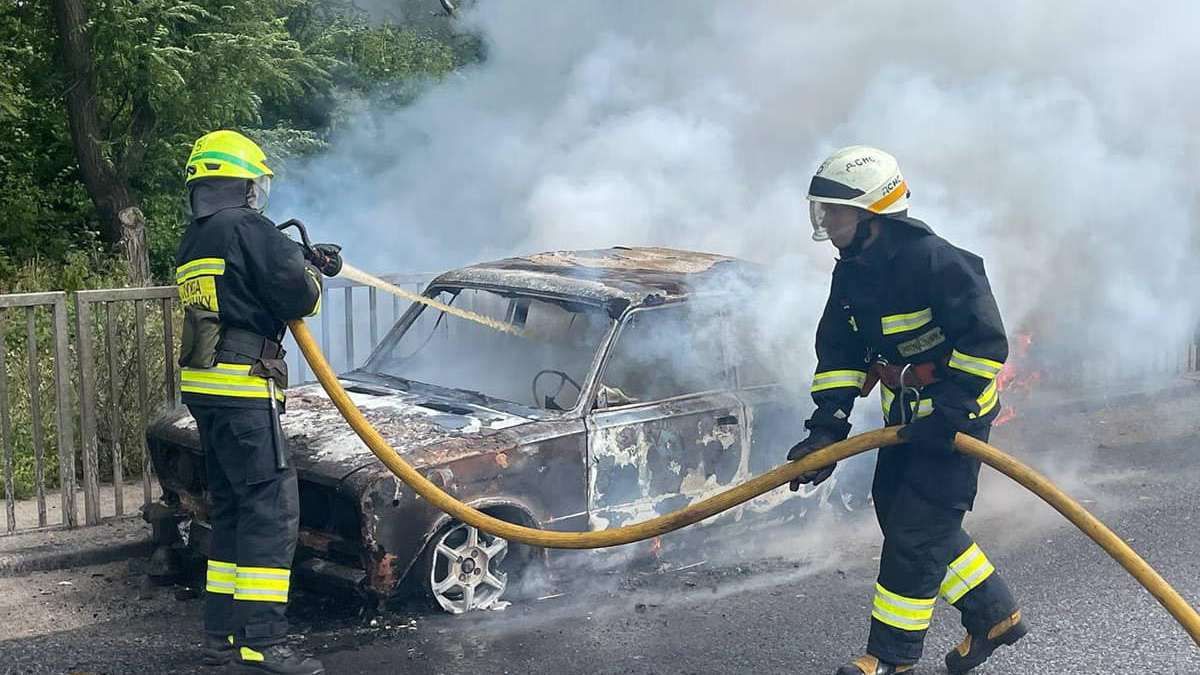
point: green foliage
(168, 71)
(43, 204)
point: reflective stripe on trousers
(901, 612)
(221, 577)
(262, 584)
(966, 573)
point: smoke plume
(1057, 141)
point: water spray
(352, 273)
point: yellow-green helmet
(226, 154)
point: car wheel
(462, 568)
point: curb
(45, 556)
(22, 564)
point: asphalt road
(787, 599)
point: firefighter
(240, 279)
(915, 314)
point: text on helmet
(861, 161)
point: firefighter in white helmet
(911, 311)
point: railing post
(349, 312)
(373, 299)
(325, 330)
(114, 409)
(64, 430)
(6, 444)
(35, 413)
(169, 385)
(87, 411)
(139, 331)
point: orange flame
(1014, 377)
(656, 546)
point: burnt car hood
(425, 430)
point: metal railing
(31, 303)
(109, 302)
(107, 359)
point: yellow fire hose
(1030, 479)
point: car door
(666, 429)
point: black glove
(325, 257)
(816, 440)
(932, 432)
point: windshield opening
(543, 368)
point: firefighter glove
(932, 432)
(326, 257)
(817, 439)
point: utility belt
(207, 344)
(264, 355)
(898, 377)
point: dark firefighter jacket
(234, 262)
(912, 297)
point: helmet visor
(260, 193)
(817, 213)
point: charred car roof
(619, 275)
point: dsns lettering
(199, 292)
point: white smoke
(1058, 141)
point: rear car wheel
(461, 568)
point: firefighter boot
(870, 665)
(217, 650)
(275, 659)
(973, 650)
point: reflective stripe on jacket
(237, 264)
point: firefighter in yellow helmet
(914, 313)
(240, 280)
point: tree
(171, 67)
(45, 208)
(106, 180)
(103, 99)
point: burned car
(632, 390)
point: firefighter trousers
(255, 516)
(927, 555)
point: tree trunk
(133, 245)
(121, 218)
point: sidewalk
(27, 509)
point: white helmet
(860, 176)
